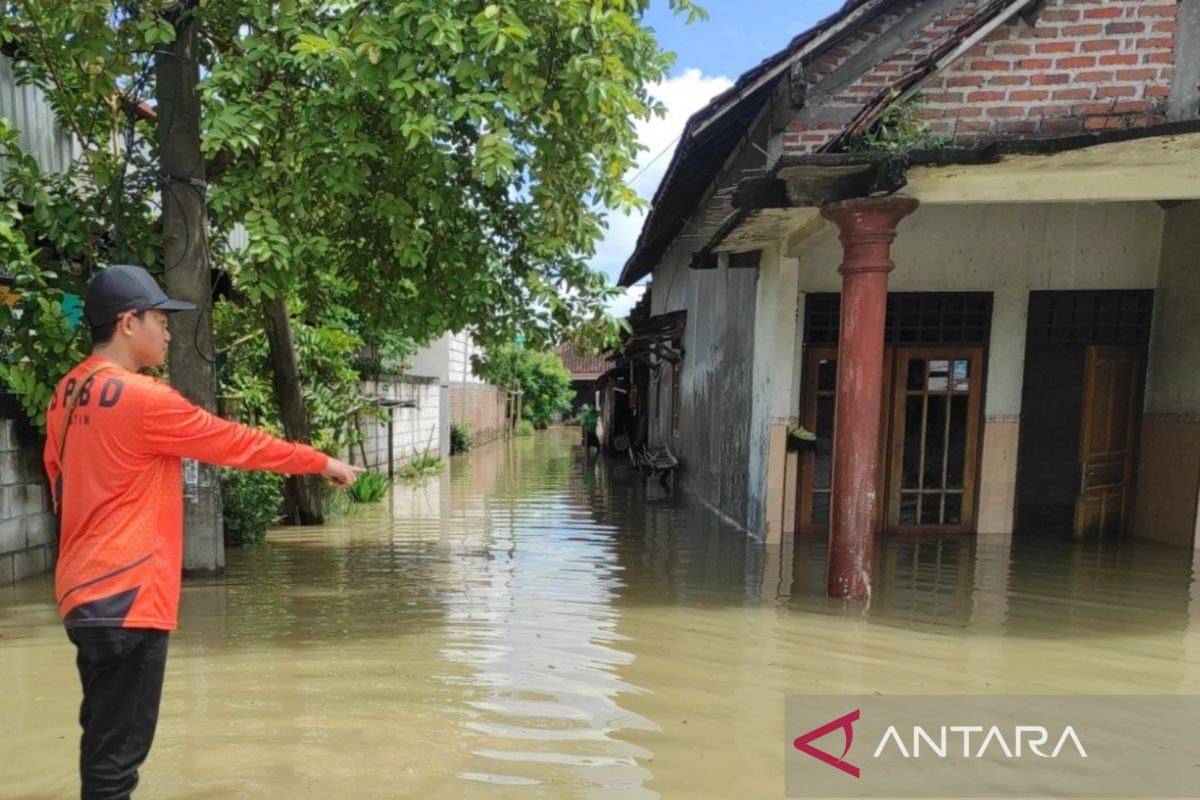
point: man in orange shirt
(115, 466)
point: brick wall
(414, 429)
(1085, 65)
(28, 529)
(481, 406)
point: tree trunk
(185, 260)
(302, 496)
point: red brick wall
(482, 407)
(1086, 65)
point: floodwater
(537, 625)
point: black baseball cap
(121, 288)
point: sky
(709, 57)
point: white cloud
(621, 306)
(683, 95)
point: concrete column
(868, 228)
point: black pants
(122, 674)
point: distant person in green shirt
(588, 418)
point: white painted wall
(29, 112)
(461, 349)
(775, 391)
(433, 361)
(413, 429)
(1009, 250)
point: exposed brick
(944, 98)
(1114, 28)
(1132, 107)
(1166, 26)
(1057, 47)
(969, 111)
(1070, 125)
(1049, 111)
(1051, 79)
(1029, 95)
(964, 80)
(1098, 76)
(1061, 15)
(1125, 59)
(1099, 123)
(1096, 45)
(974, 127)
(1161, 42)
(1083, 30)
(1093, 109)
(1009, 80)
(1157, 11)
(1160, 58)
(1012, 49)
(1076, 62)
(1137, 74)
(1005, 111)
(990, 66)
(1104, 12)
(1116, 91)
(984, 97)
(1073, 94)
(1146, 121)
(1158, 91)
(1034, 63)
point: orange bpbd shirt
(121, 491)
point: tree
(443, 163)
(541, 377)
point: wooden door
(1108, 419)
(933, 463)
(816, 463)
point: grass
(371, 487)
(422, 467)
(524, 428)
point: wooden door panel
(1108, 420)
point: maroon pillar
(868, 228)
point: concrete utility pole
(185, 259)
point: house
(958, 240)
(586, 369)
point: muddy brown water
(535, 624)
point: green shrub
(525, 428)
(371, 487)
(421, 467)
(251, 502)
(543, 380)
(460, 437)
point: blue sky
(710, 56)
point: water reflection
(537, 623)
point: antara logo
(1024, 739)
(846, 723)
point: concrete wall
(775, 401)
(1009, 250)
(1169, 462)
(414, 429)
(28, 529)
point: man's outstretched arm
(174, 426)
